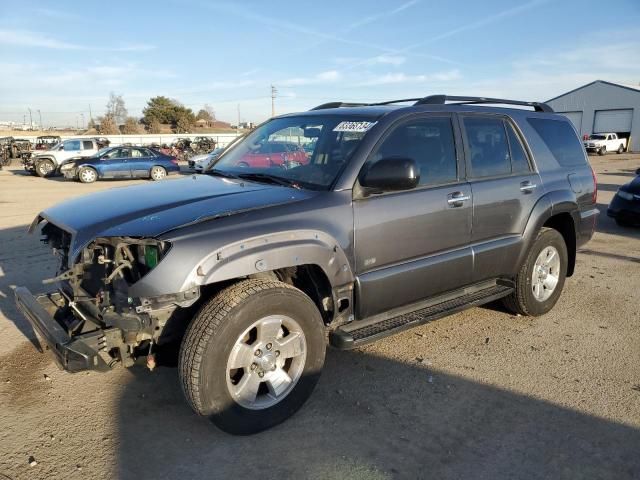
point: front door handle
(527, 187)
(457, 199)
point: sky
(63, 58)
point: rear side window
(87, 145)
(560, 138)
(489, 149)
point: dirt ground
(481, 394)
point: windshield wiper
(220, 173)
(265, 177)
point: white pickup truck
(46, 163)
(602, 143)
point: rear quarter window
(560, 138)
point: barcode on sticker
(360, 127)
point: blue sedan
(120, 162)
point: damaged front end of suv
(91, 322)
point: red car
(275, 154)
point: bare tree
(108, 125)
(131, 126)
(154, 127)
(116, 108)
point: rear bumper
(587, 226)
(75, 354)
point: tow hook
(151, 358)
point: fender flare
(550, 204)
(271, 252)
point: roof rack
(349, 104)
(442, 99)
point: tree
(184, 122)
(131, 126)
(168, 110)
(108, 125)
(204, 115)
(116, 108)
(154, 127)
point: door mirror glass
(391, 174)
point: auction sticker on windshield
(360, 127)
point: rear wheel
(252, 355)
(620, 149)
(541, 278)
(157, 173)
(87, 175)
(45, 168)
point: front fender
(271, 252)
(247, 257)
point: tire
(45, 168)
(157, 173)
(524, 300)
(620, 149)
(216, 338)
(602, 151)
(13, 152)
(87, 175)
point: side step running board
(351, 336)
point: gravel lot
(481, 394)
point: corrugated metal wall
(600, 96)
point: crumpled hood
(152, 209)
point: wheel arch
(558, 210)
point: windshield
(102, 151)
(304, 151)
(597, 137)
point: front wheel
(252, 355)
(602, 150)
(157, 173)
(87, 175)
(541, 278)
(45, 168)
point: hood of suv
(151, 209)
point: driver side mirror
(390, 175)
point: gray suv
(394, 216)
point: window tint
(519, 161)
(87, 145)
(427, 141)
(560, 137)
(71, 145)
(117, 153)
(488, 146)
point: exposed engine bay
(94, 294)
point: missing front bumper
(73, 354)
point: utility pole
(90, 116)
(30, 119)
(274, 93)
(238, 116)
(40, 115)
(82, 116)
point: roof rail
(442, 99)
(349, 104)
(339, 104)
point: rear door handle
(457, 199)
(527, 187)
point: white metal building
(603, 107)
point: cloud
(374, 18)
(26, 38)
(330, 76)
(402, 78)
(55, 14)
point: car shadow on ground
(373, 417)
